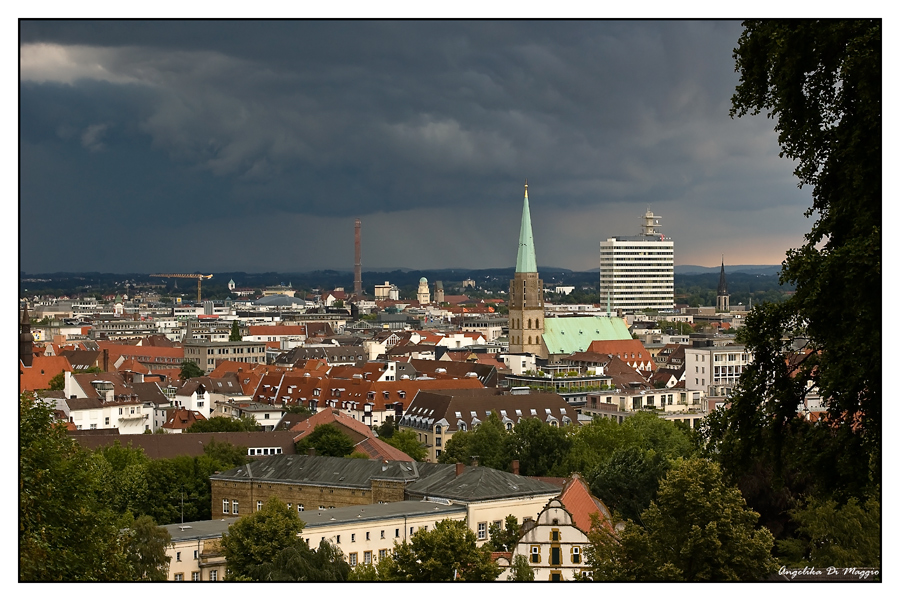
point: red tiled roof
(42, 370)
(630, 351)
(581, 504)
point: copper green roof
(525, 261)
(566, 335)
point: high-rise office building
(638, 272)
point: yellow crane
(198, 276)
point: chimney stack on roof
(459, 469)
(515, 467)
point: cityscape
(327, 331)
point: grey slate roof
(478, 484)
(365, 513)
(433, 480)
(325, 471)
(199, 530)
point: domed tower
(423, 294)
(722, 297)
(26, 338)
(526, 293)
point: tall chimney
(105, 360)
(515, 466)
(357, 266)
(459, 469)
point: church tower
(526, 294)
(722, 292)
(26, 338)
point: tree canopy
(821, 82)
(235, 335)
(189, 369)
(328, 441)
(407, 442)
(445, 553)
(258, 538)
(67, 529)
(698, 529)
(223, 423)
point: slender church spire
(525, 261)
(723, 285)
(722, 297)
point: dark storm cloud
(261, 121)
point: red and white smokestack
(357, 266)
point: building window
(555, 556)
(234, 507)
(437, 441)
(437, 429)
(367, 536)
(576, 555)
(224, 505)
(482, 530)
(299, 507)
(105, 421)
(195, 576)
(396, 532)
(213, 575)
(554, 535)
(382, 553)
(196, 553)
(353, 538)
(338, 538)
(179, 577)
(382, 534)
(258, 505)
(367, 557)
(352, 559)
(178, 556)
(535, 554)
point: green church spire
(525, 261)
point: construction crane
(198, 276)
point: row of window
(195, 576)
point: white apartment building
(714, 370)
(638, 272)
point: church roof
(567, 335)
(525, 261)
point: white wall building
(718, 367)
(638, 272)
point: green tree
(259, 537)
(821, 81)
(486, 442)
(445, 553)
(235, 335)
(189, 369)
(830, 534)
(226, 454)
(504, 538)
(539, 447)
(146, 550)
(698, 529)
(66, 530)
(327, 440)
(58, 381)
(627, 482)
(520, 570)
(299, 563)
(406, 441)
(222, 423)
(386, 429)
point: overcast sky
(252, 146)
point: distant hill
(748, 269)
